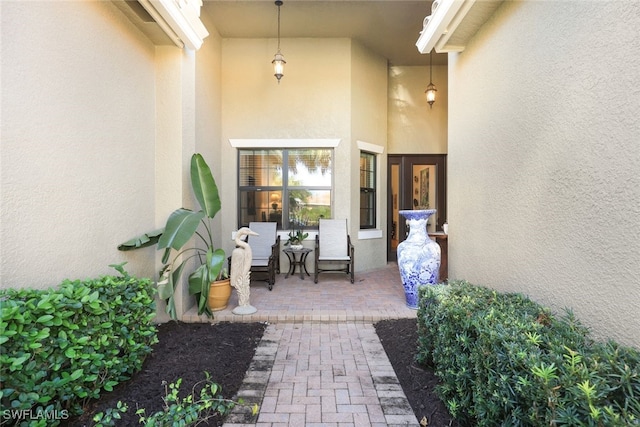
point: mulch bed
(225, 350)
(184, 350)
(399, 339)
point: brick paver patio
(320, 362)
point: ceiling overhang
(453, 23)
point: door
(415, 182)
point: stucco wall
(77, 132)
(544, 190)
(256, 106)
(314, 100)
(368, 124)
(187, 122)
(414, 128)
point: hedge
(62, 347)
(504, 360)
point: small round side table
(297, 257)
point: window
(295, 196)
(367, 190)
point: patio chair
(265, 249)
(333, 246)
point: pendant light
(431, 89)
(278, 59)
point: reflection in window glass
(295, 196)
(260, 167)
(367, 190)
(309, 168)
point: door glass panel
(395, 195)
(424, 192)
(414, 182)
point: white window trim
(372, 148)
(285, 143)
(372, 233)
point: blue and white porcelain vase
(418, 256)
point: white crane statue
(241, 271)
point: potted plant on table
(295, 239)
(297, 223)
(181, 226)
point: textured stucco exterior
(77, 141)
(98, 126)
(544, 155)
(94, 117)
(414, 127)
(108, 123)
(369, 125)
(316, 99)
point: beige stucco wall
(311, 101)
(77, 152)
(314, 100)
(369, 125)
(414, 128)
(544, 190)
(187, 122)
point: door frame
(405, 197)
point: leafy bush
(62, 347)
(505, 360)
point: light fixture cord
(278, 27)
(431, 67)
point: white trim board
(284, 143)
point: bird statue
(241, 271)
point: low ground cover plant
(198, 406)
(506, 360)
(62, 347)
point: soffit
(452, 23)
(386, 27)
(136, 13)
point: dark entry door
(415, 182)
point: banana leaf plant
(142, 241)
(181, 226)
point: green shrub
(62, 347)
(505, 360)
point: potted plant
(181, 226)
(295, 239)
(298, 221)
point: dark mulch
(184, 350)
(225, 350)
(399, 339)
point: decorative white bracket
(179, 19)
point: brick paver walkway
(322, 374)
(320, 362)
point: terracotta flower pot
(219, 294)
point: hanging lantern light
(278, 59)
(431, 88)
